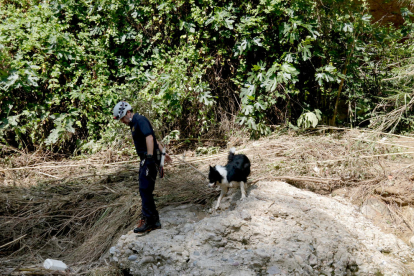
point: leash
(162, 162)
(191, 166)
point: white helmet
(120, 110)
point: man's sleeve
(145, 127)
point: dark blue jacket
(140, 129)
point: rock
(262, 253)
(279, 230)
(245, 215)
(128, 251)
(313, 260)
(373, 208)
(299, 259)
(180, 237)
(177, 248)
(147, 259)
(273, 270)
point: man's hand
(167, 158)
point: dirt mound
(277, 230)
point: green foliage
(187, 65)
(394, 111)
(309, 119)
(207, 150)
(174, 135)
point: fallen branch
(204, 158)
(64, 166)
(367, 182)
(400, 215)
(350, 158)
(4, 245)
(307, 178)
(382, 142)
(49, 175)
(322, 127)
(41, 167)
(197, 139)
(11, 148)
(253, 181)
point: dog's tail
(231, 154)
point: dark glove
(151, 167)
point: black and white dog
(236, 170)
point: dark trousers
(146, 188)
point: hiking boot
(145, 225)
(157, 222)
(140, 222)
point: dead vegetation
(75, 209)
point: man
(146, 146)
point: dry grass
(74, 210)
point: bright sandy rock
(277, 230)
